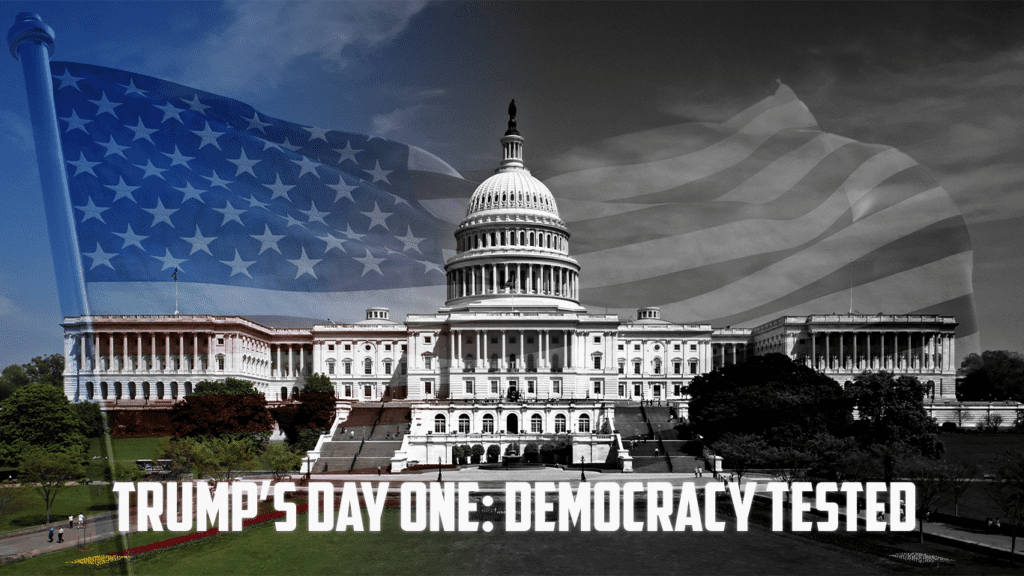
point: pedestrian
(378, 470)
(60, 536)
(71, 522)
(51, 531)
(81, 520)
(656, 453)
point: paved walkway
(27, 543)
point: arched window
(463, 423)
(584, 423)
(89, 390)
(118, 390)
(488, 424)
(174, 389)
(160, 390)
(559, 423)
(536, 424)
(657, 365)
(439, 427)
(284, 392)
(104, 390)
(131, 390)
(368, 366)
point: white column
(291, 363)
(317, 357)
(302, 359)
(95, 352)
(111, 354)
(522, 351)
(195, 351)
(503, 361)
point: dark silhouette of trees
(994, 375)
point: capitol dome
(512, 244)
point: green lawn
(72, 500)
(980, 448)
(262, 550)
(127, 448)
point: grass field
(72, 500)
(127, 448)
(981, 449)
(264, 551)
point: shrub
(478, 453)
(948, 427)
(493, 452)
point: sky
(940, 82)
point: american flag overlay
(760, 216)
(249, 213)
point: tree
(961, 477)
(46, 370)
(12, 499)
(182, 452)
(493, 453)
(92, 418)
(1007, 492)
(12, 378)
(932, 487)
(892, 423)
(995, 375)
(224, 458)
(279, 458)
(319, 383)
(477, 452)
(741, 451)
(121, 471)
(962, 413)
(228, 408)
(769, 396)
(788, 465)
(48, 472)
(38, 415)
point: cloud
(263, 40)
(16, 129)
(385, 124)
(7, 307)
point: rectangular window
(387, 347)
(427, 339)
(693, 347)
(330, 347)
(348, 390)
(597, 339)
(597, 386)
(597, 362)
(530, 387)
(387, 367)
(622, 346)
(220, 341)
(693, 367)
(677, 367)
(556, 386)
(428, 362)
(636, 367)
(536, 425)
(677, 347)
(494, 386)
(636, 347)
(368, 390)
(677, 388)
(220, 363)
(636, 388)
(427, 387)
(330, 368)
(404, 347)
(469, 386)
(348, 368)
(622, 367)
(622, 390)
(488, 425)
(348, 347)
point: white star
(123, 190)
(190, 193)
(216, 181)
(293, 222)
(411, 242)
(67, 79)
(239, 266)
(208, 135)
(287, 144)
(161, 214)
(141, 131)
(171, 111)
(267, 240)
(169, 261)
(114, 148)
(342, 190)
(315, 215)
(200, 242)
(178, 158)
(131, 238)
(196, 105)
(398, 199)
(74, 122)
(315, 133)
(308, 166)
(244, 164)
(279, 189)
(100, 257)
(267, 145)
(254, 203)
(83, 165)
(230, 213)
(430, 266)
(348, 233)
(305, 265)
(105, 106)
(379, 174)
(256, 124)
(370, 263)
(131, 89)
(377, 218)
(348, 153)
(151, 170)
(91, 210)
(332, 243)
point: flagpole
(31, 42)
(175, 291)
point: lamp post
(583, 472)
(439, 469)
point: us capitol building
(512, 351)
